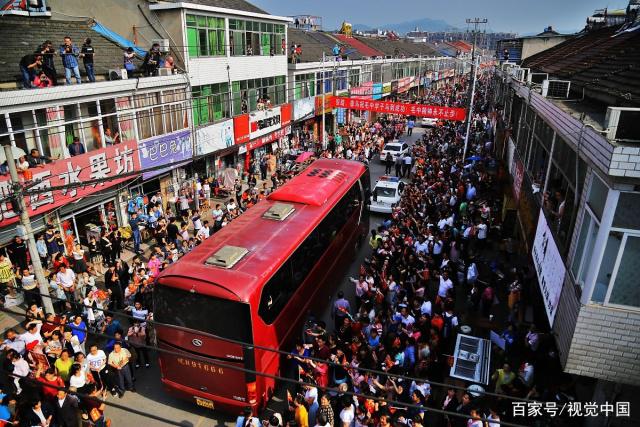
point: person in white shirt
(348, 414)
(203, 233)
(97, 361)
(445, 284)
(21, 368)
(66, 278)
(482, 231)
(421, 246)
(33, 333)
(426, 308)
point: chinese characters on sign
(445, 113)
(549, 267)
(571, 409)
(165, 150)
(107, 164)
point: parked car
(386, 194)
(396, 148)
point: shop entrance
(89, 222)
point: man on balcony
(76, 148)
(35, 159)
(69, 54)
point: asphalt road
(150, 396)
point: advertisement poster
(215, 137)
(303, 108)
(549, 267)
(165, 150)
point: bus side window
(276, 293)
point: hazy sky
(519, 16)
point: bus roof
(269, 242)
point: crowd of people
(421, 282)
(38, 69)
(413, 292)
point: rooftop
(242, 5)
(23, 35)
(604, 62)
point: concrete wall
(214, 70)
(606, 345)
(535, 45)
(120, 16)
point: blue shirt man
(76, 148)
(69, 54)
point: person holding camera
(48, 61)
(88, 54)
(69, 54)
(42, 80)
(151, 61)
(29, 66)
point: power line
(220, 364)
(278, 351)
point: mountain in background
(424, 24)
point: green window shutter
(217, 107)
(213, 43)
(265, 44)
(191, 20)
(192, 41)
(202, 21)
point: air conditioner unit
(522, 74)
(556, 88)
(118, 74)
(537, 77)
(623, 124)
(472, 359)
(164, 44)
(164, 71)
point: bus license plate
(205, 403)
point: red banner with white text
(433, 111)
(107, 163)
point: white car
(396, 148)
(428, 122)
(386, 194)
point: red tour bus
(254, 281)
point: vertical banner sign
(549, 267)
(434, 111)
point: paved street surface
(151, 397)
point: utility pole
(469, 117)
(18, 199)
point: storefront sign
(303, 108)
(165, 150)
(549, 267)
(214, 138)
(241, 129)
(363, 91)
(328, 106)
(377, 90)
(341, 115)
(259, 142)
(106, 163)
(446, 113)
(394, 87)
(405, 84)
(386, 89)
(264, 122)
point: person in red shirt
(50, 382)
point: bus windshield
(173, 306)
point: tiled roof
(362, 48)
(23, 35)
(314, 43)
(226, 4)
(602, 61)
(398, 47)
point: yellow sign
(196, 364)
